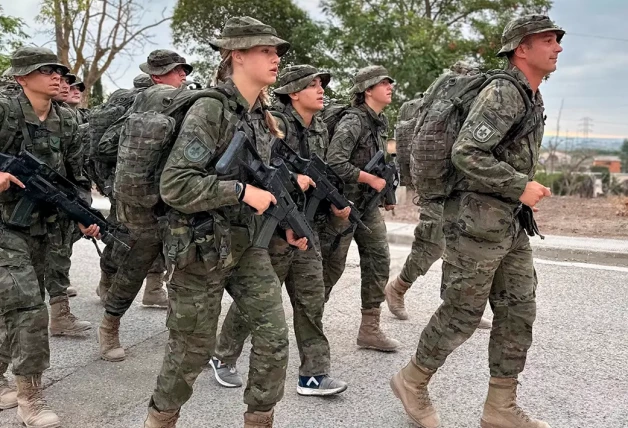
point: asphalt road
(575, 375)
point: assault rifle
(44, 186)
(390, 173)
(322, 174)
(275, 179)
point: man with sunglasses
(30, 121)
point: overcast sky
(591, 75)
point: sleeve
(495, 111)
(342, 145)
(74, 155)
(185, 183)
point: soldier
(362, 132)
(212, 226)
(168, 70)
(487, 254)
(48, 132)
(74, 101)
(300, 97)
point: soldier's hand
(6, 179)
(92, 231)
(258, 199)
(343, 213)
(377, 183)
(533, 193)
(291, 238)
(389, 207)
(305, 182)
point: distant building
(613, 163)
(554, 161)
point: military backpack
(440, 115)
(404, 132)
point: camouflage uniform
(350, 149)
(208, 260)
(302, 271)
(24, 249)
(142, 223)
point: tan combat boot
(410, 386)
(8, 394)
(62, 321)
(371, 336)
(154, 293)
(394, 292)
(106, 279)
(259, 419)
(501, 409)
(157, 419)
(109, 338)
(71, 291)
(32, 410)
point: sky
(590, 81)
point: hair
(284, 99)
(358, 98)
(527, 41)
(225, 70)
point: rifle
(45, 186)
(275, 179)
(389, 172)
(319, 171)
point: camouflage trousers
(374, 257)
(146, 246)
(62, 235)
(489, 260)
(302, 272)
(428, 244)
(195, 293)
(23, 313)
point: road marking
(582, 265)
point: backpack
(146, 139)
(404, 133)
(334, 112)
(441, 113)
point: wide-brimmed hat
(244, 32)
(142, 80)
(27, 59)
(369, 76)
(163, 61)
(79, 84)
(70, 78)
(517, 29)
(297, 77)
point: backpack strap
(11, 123)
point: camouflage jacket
(353, 146)
(497, 109)
(55, 141)
(189, 182)
(304, 140)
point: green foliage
(11, 36)
(97, 95)
(196, 22)
(417, 40)
(623, 155)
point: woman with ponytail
(212, 223)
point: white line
(582, 265)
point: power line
(592, 36)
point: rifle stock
(387, 171)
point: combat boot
(8, 394)
(154, 293)
(485, 324)
(32, 410)
(410, 386)
(394, 292)
(109, 338)
(71, 291)
(62, 321)
(106, 279)
(501, 409)
(157, 419)
(259, 419)
(371, 336)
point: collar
(31, 117)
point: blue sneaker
(320, 385)
(226, 375)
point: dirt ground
(561, 215)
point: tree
(11, 35)
(97, 95)
(624, 156)
(417, 40)
(91, 34)
(196, 22)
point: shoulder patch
(196, 150)
(484, 131)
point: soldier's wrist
(240, 190)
